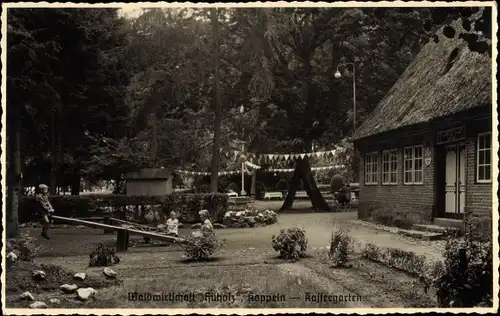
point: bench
(301, 194)
(273, 195)
(122, 233)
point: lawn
(247, 265)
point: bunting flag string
(225, 173)
(312, 169)
(197, 173)
(290, 156)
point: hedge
(131, 207)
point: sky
(130, 12)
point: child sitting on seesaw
(172, 225)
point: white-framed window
(390, 166)
(484, 158)
(371, 168)
(413, 166)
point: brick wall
(416, 200)
(419, 201)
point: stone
(22, 225)
(180, 225)
(39, 275)
(38, 304)
(218, 225)
(86, 293)
(67, 288)
(110, 273)
(27, 296)
(196, 226)
(81, 226)
(54, 301)
(80, 276)
(11, 256)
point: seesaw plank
(118, 228)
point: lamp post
(243, 193)
(337, 76)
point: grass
(256, 286)
(377, 284)
(247, 265)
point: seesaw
(123, 232)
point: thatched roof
(427, 90)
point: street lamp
(243, 193)
(337, 76)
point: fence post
(107, 220)
(462, 256)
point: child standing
(45, 209)
(172, 225)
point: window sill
(416, 184)
(389, 184)
(483, 181)
(371, 184)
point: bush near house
(131, 207)
(467, 277)
(384, 214)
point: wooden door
(455, 180)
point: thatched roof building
(445, 78)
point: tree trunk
(75, 183)
(317, 199)
(303, 172)
(253, 189)
(14, 182)
(154, 137)
(53, 155)
(292, 189)
(218, 109)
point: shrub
(123, 206)
(249, 218)
(466, 279)
(203, 246)
(406, 261)
(336, 183)
(103, 256)
(24, 247)
(384, 214)
(372, 252)
(340, 247)
(290, 243)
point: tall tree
(218, 108)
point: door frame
(441, 177)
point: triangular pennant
(302, 156)
(287, 156)
(271, 157)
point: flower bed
(249, 218)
